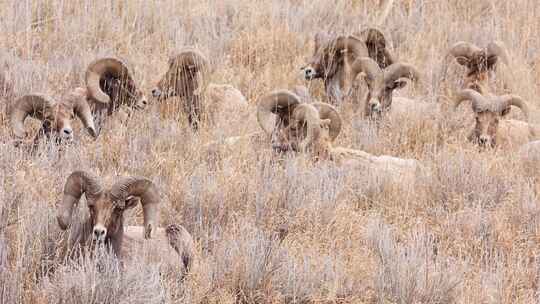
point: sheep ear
(492, 61)
(399, 84)
(506, 111)
(131, 201)
(463, 60)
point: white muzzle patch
(309, 73)
(99, 233)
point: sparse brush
(412, 270)
(275, 229)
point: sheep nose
(99, 233)
(67, 133)
(483, 139)
(309, 73)
(142, 103)
(156, 92)
(374, 106)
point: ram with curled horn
(56, 116)
(480, 62)
(186, 78)
(313, 128)
(333, 57)
(489, 129)
(105, 224)
(109, 86)
(295, 126)
(381, 85)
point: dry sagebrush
(272, 231)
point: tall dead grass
(267, 231)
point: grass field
(267, 231)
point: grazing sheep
(186, 79)
(56, 117)
(312, 128)
(382, 83)
(489, 130)
(333, 58)
(109, 85)
(106, 222)
(479, 62)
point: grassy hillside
(268, 231)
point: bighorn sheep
(382, 83)
(186, 79)
(106, 222)
(333, 58)
(56, 117)
(313, 128)
(293, 125)
(489, 130)
(109, 85)
(479, 62)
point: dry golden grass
(267, 231)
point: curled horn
(495, 50)
(477, 100)
(377, 47)
(280, 103)
(401, 70)
(368, 66)
(350, 44)
(77, 183)
(327, 111)
(373, 36)
(464, 52)
(100, 68)
(33, 105)
(505, 101)
(82, 109)
(144, 189)
(306, 114)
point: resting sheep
(312, 129)
(106, 222)
(489, 129)
(109, 86)
(333, 58)
(56, 117)
(382, 83)
(186, 79)
(479, 62)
